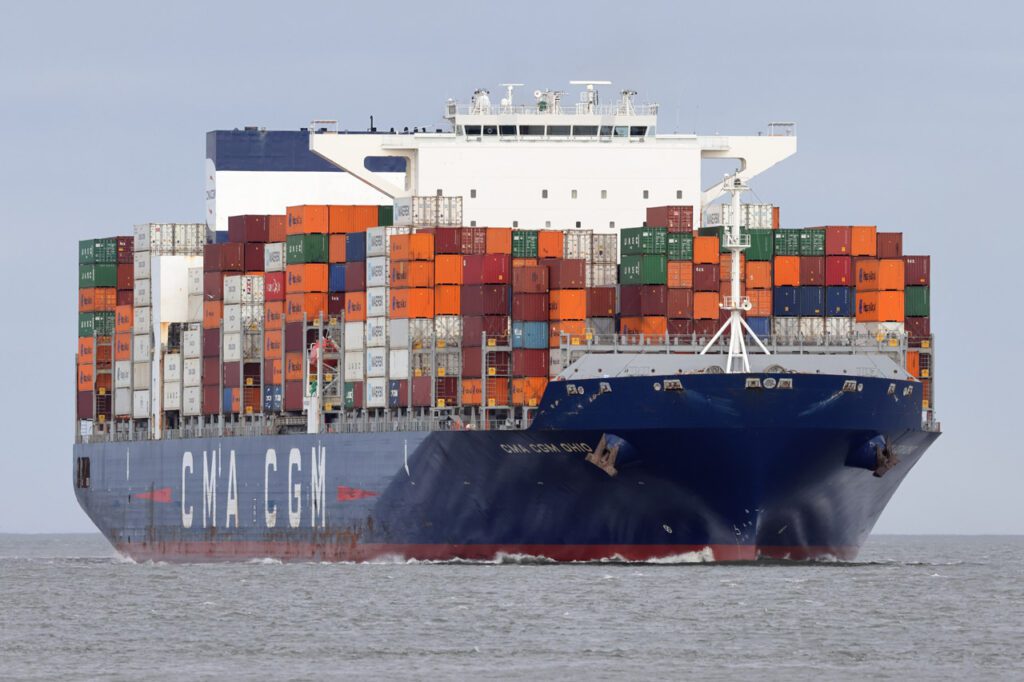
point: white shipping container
(142, 374)
(192, 401)
(398, 363)
(421, 333)
(142, 320)
(376, 362)
(232, 289)
(838, 327)
(192, 372)
(195, 309)
(354, 365)
(376, 332)
(233, 318)
(398, 333)
(251, 346)
(142, 265)
(252, 289)
(753, 216)
(172, 367)
(172, 396)
(232, 347)
(605, 249)
(192, 343)
(142, 293)
(602, 274)
(140, 404)
(123, 374)
(447, 331)
(273, 257)
(876, 332)
(123, 402)
(377, 271)
(376, 243)
(785, 328)
(354, 336)
(377, 392)
(377, 302)
(812, 329)
(155, 237)
(578, 244)
(195, 281)
(252, 317)
(428, 211)
(142, 348)
(189, 238)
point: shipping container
(473, 241)
(486, 269)
(312, 305)
(412, 303)
(785, 301)
(875, 274)
(706, 250)
(342, 219)
(533, 307)
(812, 242)
(524, 243)
(679, 303)
(725, 267)
(916, 301)
(568, 304)
(863, 240)
(917, 270)
(880, 306)
(838, 271)
(889, 244)
(355, 247)
(486, 299)
(643, 241)
(761, 302)
(529, 334)
(447, 300)
(550, 244)
(706, 277)
(306, 248)
(839, 301)
(786, 271)
(674, 218)
(787, 243)
(679, 246)
(602, 274)
(838, 240)
(376, 271)
(601, 302)
(527, 362)
(571, 332)
(645, 269)
(705, 305)
(307, 219)
(812, 271)
(680, 275)
(496, 327)
(811, 301)
(758, 275)
(918, 330)
(530, 279)
(447, 240)
(653, 329)
(411, 247)
(528, 391)
(412, 274)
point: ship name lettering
(186, 516)
(295, 490)
(269, 512)
(231, 508)
(317, 487)
(576, 447)
(210, 488)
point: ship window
(509, 131)
(472, 130)
(536, 131)
(620, 131)
(578, 224)
(606, 131)
(472, 194)
(604, 194)
(679, 194)
(543, 194)
(584, 131)
(646, 194)
(472, 223)
(562, 131)
(515, 223)
(575, 194)
(490, 130)
(638, 131)
(547, 223)
(612, 224)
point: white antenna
(734, 303)
(589, 96)
(509, 87)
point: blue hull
(735, 473)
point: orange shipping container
(575, 329)
(873, 274)
(680, 274)
(787, 271)
(272, 370)
(336, 248)
(293, 366)
(312, 305)
(123, 318)
(550, 244)
(761, 300)
(651, 327)
(413, 273)
(86, 300)
(213, 313)
(447, 300)
(863, 240)
(705, 250)
(498, 240)
(567, 304)
(914, 363)
(411, 304)
(106, 299)
(277, 228)
(528, 391)
(273, 345)
(86, 351)
(122, 346)
(104, 382)
(725, 267)
(306, 278)
(524, 262)
(273, 315)
(355, 306)
(879, 306)
(86, 376)
(759, 274)
(342, 219)
(705, 305)
(307, 219)
(497, 391)
(448, 269)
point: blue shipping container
(220, 237)
(839, 301)
(336, 278)
(784, 302)
(355, 246)
(272, 395)
(529, 334)
(398, 392)
(811, 301)
(762, 326)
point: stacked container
(97, 307)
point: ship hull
(714, 471)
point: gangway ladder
(494, 372)
(737, 243)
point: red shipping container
(889, 244)
(446, 390)
(917, 270)
(676, 218)
(84, 402)
(335, 304)
(838, 271)
(421, 391)
(629, 299)
(273, 286)
(126, 297)
(253, 257)
(530, 280)
(212, 258)
(277, 228)
(211, 399)
(485, 299)
(125, 250)
(677, 327)
(232, 257)
(211, 345)
(232, 375)
(918, 329)
(497, 362)
(653, 301)
(293, 395)
(248, 228)
(679, 304)
(601, 302)
(812, 271)
(213, 286)
(706, 277)
(705, 328)
(272, 371)
(530, 307)
(566, 273)
(125, 277)
(838, 240)
(496, 327)
(473, 241)
(447, 240)
(211, 371)
(355, 276)
(491, 268)
(527, 362)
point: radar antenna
(736, 243)
(589, 97)
(506, 103)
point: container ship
(533, 333)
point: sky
(909, 116)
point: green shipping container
(86, 252)
(640, 241)
(350, 395)
(762, 245)
(812, 242)
(643, 270)
(105, 251)
(787, 242)
(306, 248)
(524, 243)
(99, 275)
(385, 216)
(680, 246)
(916, 302)
(100, 324)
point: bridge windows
(472, 194)
(543, 194)
(558, 131)
(531, 131)
(584, 131)
(507, 131)
(604, 194)
(647, 194)
(638, 131)
(472, 131)
(490, 130)
(679, 194)
(575, 194)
